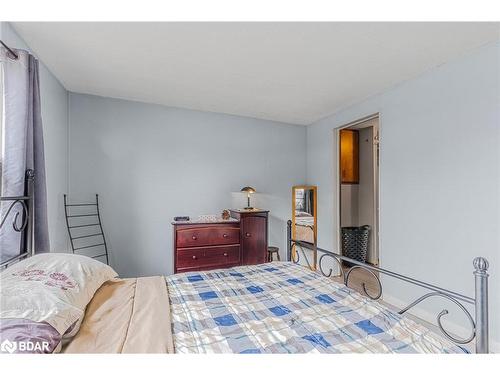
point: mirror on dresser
(304, 220)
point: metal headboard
(23, 224)
(479, 324)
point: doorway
(358, 185)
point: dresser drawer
(207, 236)
(207, 257)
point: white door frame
(376, 175)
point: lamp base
(248, 208)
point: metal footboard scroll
(479, 329)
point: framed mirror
(304, 218)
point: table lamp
(249, 190)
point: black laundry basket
(355, 243)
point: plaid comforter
(285, 308)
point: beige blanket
(126, 316)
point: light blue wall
(150, 163)
(439, 176)
(54, 106)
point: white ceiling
(290, 72)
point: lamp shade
(248, 190)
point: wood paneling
(349, 156)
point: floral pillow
(51, 289)
(55, 279)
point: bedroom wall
(54, 107)
(439, 178)
(150, 163)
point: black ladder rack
(76, 216)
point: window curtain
(22, 149)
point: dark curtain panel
(24, 149)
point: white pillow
(54, 288)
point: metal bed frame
(479, 324)
(23, 225)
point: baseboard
(430, 319)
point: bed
(281, 307)
(277, 307)
(76, 304)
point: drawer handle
(194, 257)
(194, 238)
(225, 254)
(248, 234)
(224, 235)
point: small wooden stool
(272, 250)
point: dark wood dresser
(253, 235)
(241, 240)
